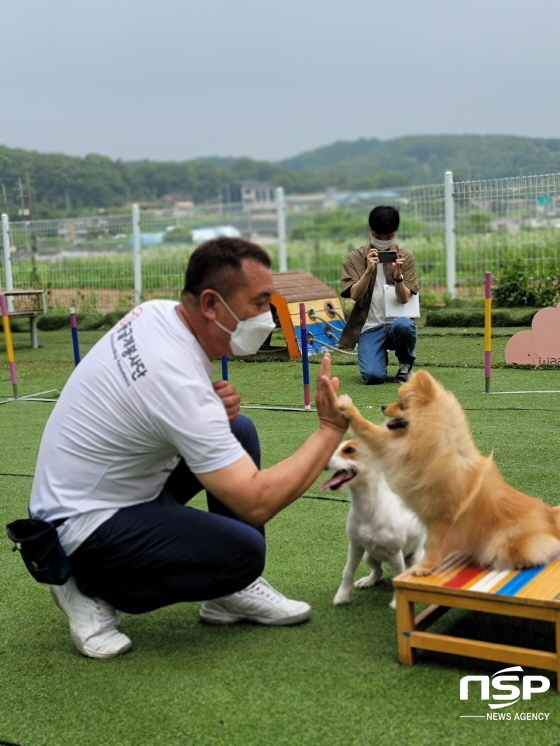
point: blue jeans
(164, 552)
(400, 336)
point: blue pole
(305, 356)
(75, 341)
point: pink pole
(487, 330)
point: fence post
(450, 233)
(137, 260)
(281, 220)
(8, 277)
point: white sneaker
(93, 622)
(259, 603)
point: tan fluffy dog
(429, 458)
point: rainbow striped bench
(532, 593)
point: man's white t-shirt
(376, 313)
(140, 398)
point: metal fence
(456, 232)
(501, 221)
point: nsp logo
(529, 685)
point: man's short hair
(216, 264)
(384, 219)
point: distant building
(149, 239)
(332, 199)
(249, 193)
(183, 208)
(217, 231)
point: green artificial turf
(333, 681)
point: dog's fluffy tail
(525, 549)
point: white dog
(380, 527)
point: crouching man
(140, 429)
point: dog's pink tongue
(338, 478)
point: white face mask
(381, 245)
(249, 334)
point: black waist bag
(40, 549)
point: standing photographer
(367, 324)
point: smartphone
(387, 256)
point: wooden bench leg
(405, 625)
(33, 330)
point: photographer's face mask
(381, 245)
(249, 334)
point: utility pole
(35, 278)
(5, 196)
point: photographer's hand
(402, 293)
(360, 287)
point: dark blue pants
(400, 335)
(163, 552)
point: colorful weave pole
(487, 331)
(75, 340)
(305, 356)
(9, 344)
(488, 344)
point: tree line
(63, 185)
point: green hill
(329, 155)
(64, 185)
(425, 158)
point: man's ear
(207, 301)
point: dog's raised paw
(345, 404)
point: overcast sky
(268, 79)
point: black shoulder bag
(41, 550)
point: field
(103, 280)
(334, 681)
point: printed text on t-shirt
(124, 349)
